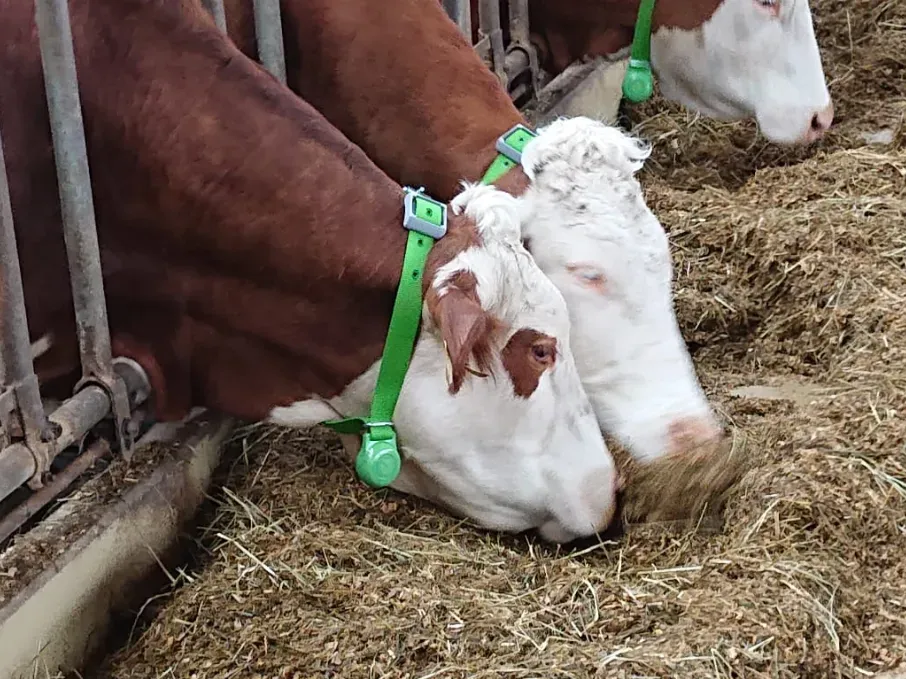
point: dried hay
(791, 280)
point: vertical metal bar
(269, 31)
(519, 22)
(489, 24)
(521, 53)
(18, 372)
(79, 228)
(216, 10)
(460, 11)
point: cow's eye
(588, 275)
(543, 352)
(772, 6)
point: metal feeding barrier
(506, 48)
(112, 388)
(30, 440)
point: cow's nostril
(822, 120)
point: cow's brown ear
(465, 327)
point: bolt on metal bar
(16, 367)
(460, 11)
(76, 201)
(215, 9)
(489, 25)
(269, 32)
(73, 419)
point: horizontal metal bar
(70, 152)
(216, 10)
(40, 499)
(269, 32)
(16, 367)
(73, 419)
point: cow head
(492, 420)
(750, 58)
(589, 229)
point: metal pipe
(460, 11)
(269, 32)
(516, 62)
(16, 368)
(489, 24)
(79, 228)
(61, 481)
(73, 419)
(215, 9)
(519, 22)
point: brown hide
(567, 30)
(397, 78)
(251, 253)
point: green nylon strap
(638, 83)
(379, 465)
(497, 169)
(641, 36)
(404, 323)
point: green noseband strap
(378, 462)
(638, 83)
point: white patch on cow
(41, 346)
(746, 61)
(591, 232)
(303, 413)
(505, 462)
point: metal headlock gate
(30, 440)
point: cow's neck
(233, 295)
(566, 30)
(427, 117)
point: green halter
(638, 83)
(378, 462)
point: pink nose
(820, 124)
(688, 433)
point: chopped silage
(791, 289)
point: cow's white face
(589, 229)
(492, 420)
(751, 58)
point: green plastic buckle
(638, 83)
(513, 142)
(509, 152)
(424, 214)
(378, 462)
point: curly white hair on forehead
(568, 147)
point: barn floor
(791, 287)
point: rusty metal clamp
(115, 388)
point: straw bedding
(791, 287)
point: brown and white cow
(726, 59)
(411, 91)
(251, 256)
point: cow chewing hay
(790, 289)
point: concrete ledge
(84, 563)
(592, 89)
